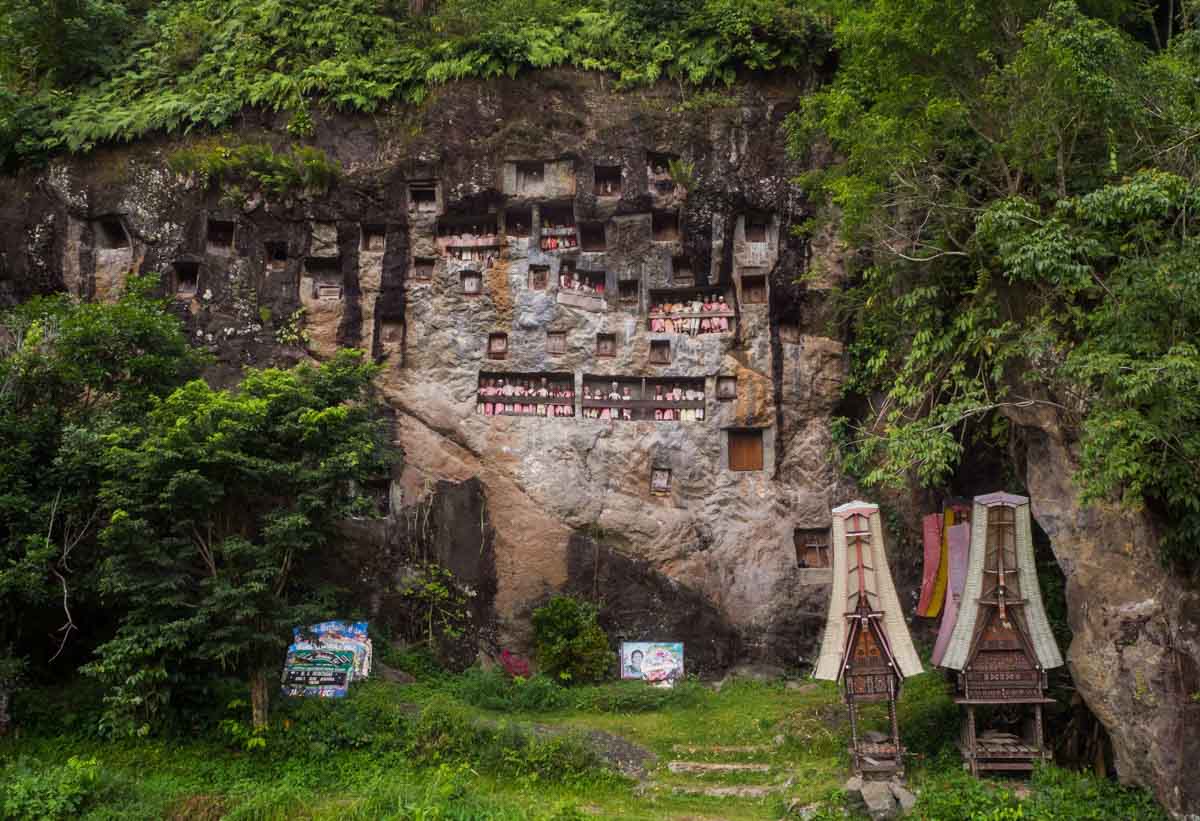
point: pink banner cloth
(932, 529)
(958, 539)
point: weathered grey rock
(756, 672)
(714, 767)
(1135, 653)
(802, 686)
(874, 737)
(798, 809)
(871, 797)
(878, 799)
(904, 798)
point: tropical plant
(218, 505)
(569, 641)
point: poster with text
(325, 658)
(652, 661)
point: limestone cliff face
(664, 193)
(1136, 628)
(460, 222)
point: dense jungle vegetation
(1020, 177)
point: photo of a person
(659, 663)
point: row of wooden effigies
(981, 577)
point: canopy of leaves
(77, 72)
(1022, 176)
(66, 367)
(216, 506)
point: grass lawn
(417, 752)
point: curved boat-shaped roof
(872, 579)
(980, 583)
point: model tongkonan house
(866, 645)
(1002, 645)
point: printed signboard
(324, 659)
(655, 662)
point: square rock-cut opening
(608, 181)
(665, 225)
(110, 234)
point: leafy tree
(991, 158)
(66, 367)
(218, 505)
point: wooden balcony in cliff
(680, 311)
(633, 399)
(582, 289)
(470, 239)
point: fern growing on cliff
(175, 65)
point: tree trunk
(5, 718)
(260, 698)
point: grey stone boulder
(904, 797)
(872, 797)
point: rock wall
(465, 221)
(665, 192)
(1136, 627)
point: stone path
(748, 772)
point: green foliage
(570, 644)
(217, 505)
(431, 591)
(36, 793)
(493, 690)
(929, 716)
(1019, 172)
(67, 369)
(189, 63)
(302, 169)
(1056, 794)
(371, 717)
(445, 731)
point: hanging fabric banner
(958, 538)
(930, 604)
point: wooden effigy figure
(866, 646)
(1002, 645)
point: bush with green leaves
(446, 731)
(1056, 794)
(31, 791)
(569, 642)
(494, 690)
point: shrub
(1060, 793)
(570, 644)
(35, 791)
(492, 690)
(446, 732)
(371, 717)
(638, 697)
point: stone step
(743, 791)
(710, 767)
(718, 749)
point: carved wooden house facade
(866, 646)
(1002, 644)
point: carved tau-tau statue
(1001, 644)
(866, 645)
